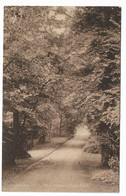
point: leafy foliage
(62, 62)
(114, 163)
(92, 145)
(101, 105)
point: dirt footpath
(66, 169)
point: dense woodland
(61, 68)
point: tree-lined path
(61, 69)
(66, 169)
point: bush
(114, 163)
(92, 145)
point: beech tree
(27, 70)
(100, 102)
(32, 74)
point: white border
(122, 4)
(64, 2)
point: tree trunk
(22, 153)
(19, 141)
(41, 139)
(8, 162)
(16, 133)
(16, 122)
(66, 126)
(60, 129)
(9, 149)
(8, 155)
(50, 131)
(23, 124)
(105, 155)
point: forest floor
(66, 169)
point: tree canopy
(63, 61)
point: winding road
(68, 169)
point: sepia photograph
(61, 99)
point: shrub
(114, 163)
(92, 145)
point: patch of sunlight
(59, 30)
(38, 154)
(82, 132)
(60, 17)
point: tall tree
(100, 102)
